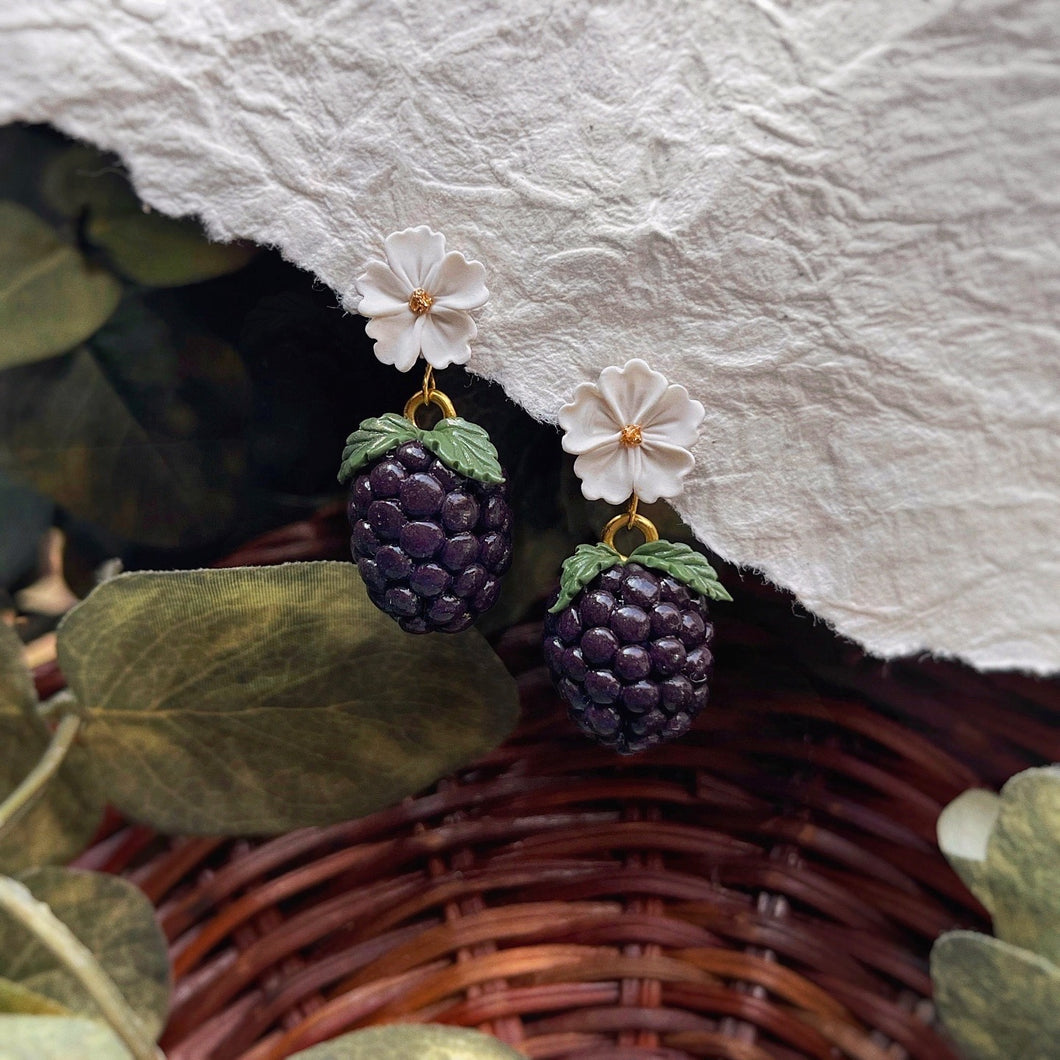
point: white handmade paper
(834, 222)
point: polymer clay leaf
(997, 1001)
(51, 298)
(373, 438)
(28, 1037)
(254, 700)
(683, 563)
(578, 570)
(424, 1042)
(964, 829)
(466, 448)
(147, 247)
(1023, 862)
(111, 917)
(64, 819)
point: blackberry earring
(627, 641)
(430, 524)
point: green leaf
(964, 828)
(17, 998)
(147, 247)
(115, 921)
(68, 814)
(66, 431)
(683, 563)
(160, 251)
(578, 570)
(50, 297)
(997, 1001)
(254, 700)
(466, 448)
(424, 1042)
(1023, 862)
(57, 1038)
(373, 438)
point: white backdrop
(834, 222)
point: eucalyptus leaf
(25, 517)
(997, 1001)
(115, 921)
(1023, 862)
(18, 998)
(51, 298)
(683, 563)
(424, 1042)
(58, 1038)
(466, 448)
(374, 437)
(67, 815)
(147, 247)
(964, 828)
(578, 570)
(66, 431)
(160, 251)
(254, 700)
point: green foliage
(115, 921)
(255, 700)
(60, 824)
(67, 431)
(146, 247)
(51, 298)
(57, 1038)
(1000, 997)
(683, 563)
(998, 1002)
(424, 1042)
(463, 446)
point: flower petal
(446, 334)
(457, 283)
(607, 472)
(413, 253)
(675, 418)
(661, 471)
(397, 338)
(587, 421)
(632, 390)
(382, 292)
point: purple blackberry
(430, 543)
(629, 647)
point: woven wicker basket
(766, 889)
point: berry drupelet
(631, 656)
(431, 544)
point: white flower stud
(419, 300)
(631, 431)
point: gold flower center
(631, 435)
(420, 301)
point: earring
(429, 519)
(627, 641)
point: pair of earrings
(627, 638)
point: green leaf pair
(1000, 997)
(676, 559)
(463, 446)
(46, 1013)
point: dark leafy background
(203, 413)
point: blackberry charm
(627, 641)
(430, 524)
